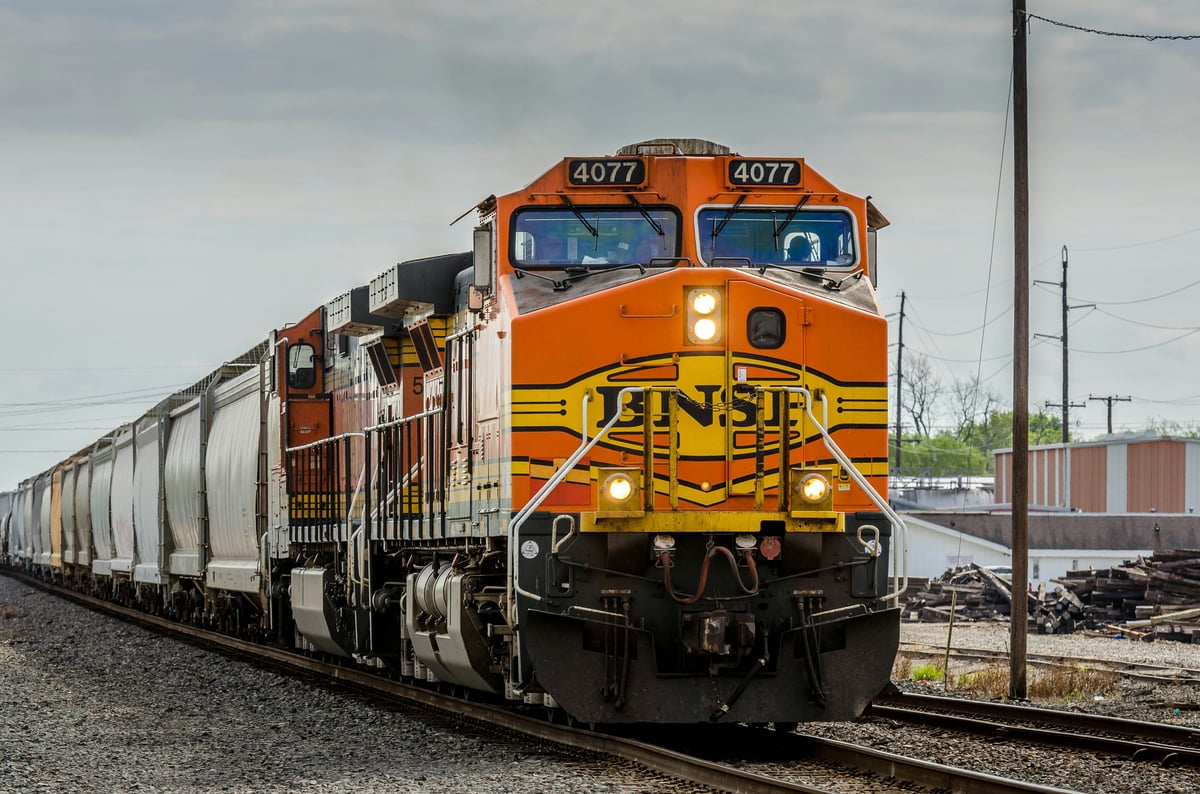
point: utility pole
(1019, 613)
(1110, 401)
(900, 387)
(1066, 405)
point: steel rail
(1142, 671)
(1140, 741)
(663, 760)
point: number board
(617, 171)
(764, 172)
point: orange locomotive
(628, 458)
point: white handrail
(533, 504)
(899, 530)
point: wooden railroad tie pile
(1149, 598)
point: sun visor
(875, 218)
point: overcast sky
(180, 178)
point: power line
(1144, 36)
(102, 369)
(1142, 243)
(968, 331)
(1148, 325)
(1167, 294)
(49, 429)
(36, 451)
(126, 393)
(1137, 349)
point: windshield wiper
(790, 217)
(579, 216)
(728, 216)
(653, 223)
(831, 284)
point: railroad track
(1170, 745)
(1135, 670)
(699, 756)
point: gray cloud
(190, 175)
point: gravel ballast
(88, 703)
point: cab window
(594, 237)
(302, 370)
(778, 236)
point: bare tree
(973, 403)
(922, 392)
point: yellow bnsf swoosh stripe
(704, 411)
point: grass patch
(1072, 684)
(1057, 684)
(926, 672)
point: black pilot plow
(703, 631)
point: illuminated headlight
(704, 330)
(704, 301)
(663, 543)
(813, 488)
(618, 487)
(704, 315)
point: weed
(1060, 684)
(927, 672)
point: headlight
(618, 487)
(813, 488)
(704, 315)
(704, 301)
(704, 330)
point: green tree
(1165, 427)
(946, 455)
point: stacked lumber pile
(970, 593)
(1149, 598)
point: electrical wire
(1147, 325)
(976, 329)
(1168, 294)
(1137, 349)
(1143, 36)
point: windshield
(779, 236)
(595, 237)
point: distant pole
(1110, 401)
(1066, 405)
(900, 387)
(1020, 477)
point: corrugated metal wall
(1156, 476)
(1088, 472)
(1133, 475)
